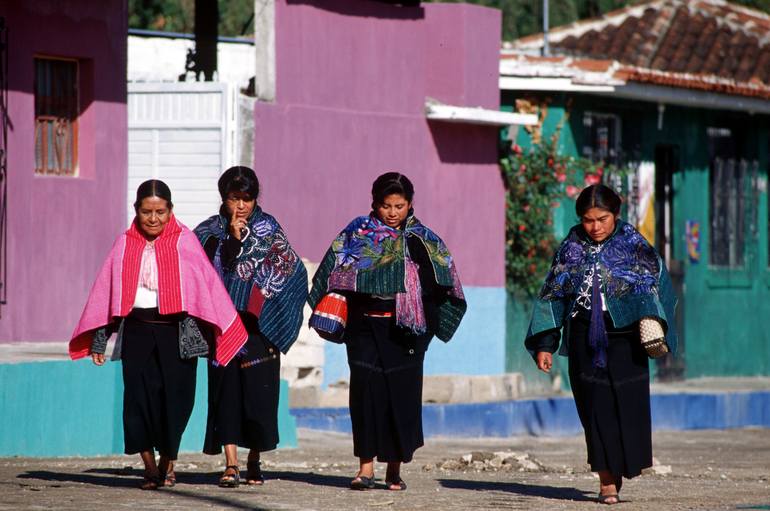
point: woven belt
(378, 314)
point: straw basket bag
(653, 338)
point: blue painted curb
(558, 416)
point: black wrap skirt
(386, 367)
(243, 398)
(158, 385)
(613, 402)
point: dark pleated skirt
(385, 391)
(158, 388)
(613, 403)
(243, 399)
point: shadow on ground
(528, 490)
(131, 478)
(311, 478)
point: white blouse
(147, 289)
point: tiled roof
(594, 72)
(705, 44)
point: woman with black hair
(153, 288)
(402, 288)
(607, 287)
(267, 283)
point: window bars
(56, 116)
(733, 210)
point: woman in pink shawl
(153, 288)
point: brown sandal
(151, 482)
(230, 481)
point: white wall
(162, 59)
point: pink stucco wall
(60, 229)
(352, 81)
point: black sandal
(400, 484)
(230, 481)
(362, 483)
(254, 475)
(170, 479)
(167, 475)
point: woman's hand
(544, 361)
(98, 358)
(237, 224)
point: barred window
(732, 209)
(56, 116)
(602, 137)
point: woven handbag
(653, 338)
(330, 317)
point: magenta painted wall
(352, 80)
(60, 229)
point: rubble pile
(492, 461)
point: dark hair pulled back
(598, 196)
(153, 188)
(238, 179)
(391, 183)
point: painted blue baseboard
(76, 409)
(477, 348)
(558, 416)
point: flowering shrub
(536, 180)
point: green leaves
(537, 180)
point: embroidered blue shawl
(370, 257)
(267, 272)
(634, 281)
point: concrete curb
(557, 416)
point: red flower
(592, 179)
(516, 148)
(600, 171)
(522, 228)
(561, 177)
(572, 191)
(550, 162)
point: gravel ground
(709, 470)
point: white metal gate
(184, 134)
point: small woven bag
(653, 338)
(330, 317)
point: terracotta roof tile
(685, 37)
(600, 66)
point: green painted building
(697, 138)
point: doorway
(666, 165)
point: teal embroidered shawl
(369, 257)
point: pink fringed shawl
(186, 283)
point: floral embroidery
(626, 264)
(369, 244)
